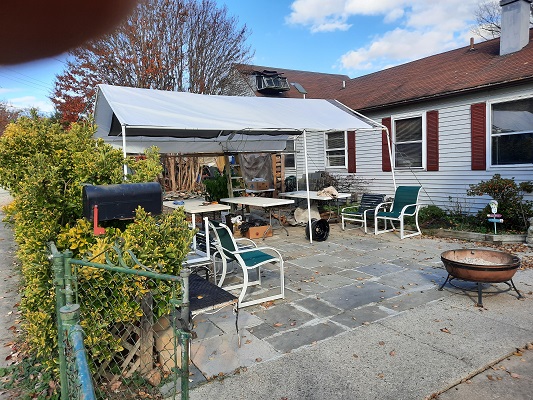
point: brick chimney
(515, 25)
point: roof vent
(299, 88)
(271, 82)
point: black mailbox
(120, 201)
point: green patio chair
(361, 213)
(405, 203)
(249, 258)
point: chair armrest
(259, 249)
(382, 205)
(350, 209)
(416, 205)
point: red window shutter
(385, 159)
(432, 132)
(478, 119)
(351, 152)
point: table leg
(270, 227)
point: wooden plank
(147, 335)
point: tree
(488, 19)
(8, 114)
(179, 45)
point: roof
(313, 82)
(449, 73)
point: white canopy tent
(179, 122)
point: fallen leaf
(268, 304)
(248, 341)
(490, 377)
(381, 343)
(515, 375)
(445, 330)
(258, 359)
(278, 324)
(518, 353)
(381, 376)
(392, 353)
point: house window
(512, 132)
(289, 154)
(409, 142)
(336, 149)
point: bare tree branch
(488, 19)
(179, 45)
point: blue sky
(351, 37)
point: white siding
(447, 187)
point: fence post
(67, 268)
(59, 282)
(70, 319)
(185, 337)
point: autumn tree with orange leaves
(178, 45)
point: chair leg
(281, 295)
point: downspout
(124, 149)
(390, 155)
(307, 187)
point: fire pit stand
(481, 266)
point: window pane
(408, 129)
(335, 140)
(289, 161)
(512, 149)
(289, 146)
(335, 158)
(408, 155)
(512, 116)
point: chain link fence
(134, 323)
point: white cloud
(31, 101)
(419, 28)
(6, 90)
(397, 46)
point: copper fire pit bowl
(481, 266)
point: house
(454, 118)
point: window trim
(326, 150)
(398, 117)
(488, 132)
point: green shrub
(217, 187)
(44, 167)
(433, 217)
(510, 197)
(159, 242)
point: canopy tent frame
(184, 121)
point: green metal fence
(134, 324)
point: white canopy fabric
(181, 122)
(187, 123)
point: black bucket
(320, 229)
